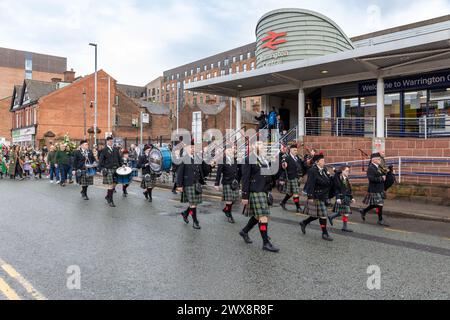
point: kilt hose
(374, 199)
(292, 187)
(148, 184)
(320, 211)
(84, 180)
(109, 177)
(190, 196)
(229, 195)
(258, 205)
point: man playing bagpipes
(110, 161)
(377, 189)
(83, 160)
(294, 171)
(148, 177)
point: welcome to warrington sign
(420, 82)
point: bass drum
(160, 160)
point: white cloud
(138, 40)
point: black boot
(111, 199)
(323, 226)
(297, 204)
(267, 246)
(246, 237)
(150, 198)
(305, 223)
(185, 215)
(284, 202)
(363, 214)
(125, 192)
(194, 218)
(146, 195)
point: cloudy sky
(140, 39)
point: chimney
(56, 80)
(69, 76)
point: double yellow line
(9, 292)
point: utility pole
(96, 94)
(84, 112)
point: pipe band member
(317, 188)
(110, 161)
(376, 194)
(344, 197)
(148, 177)
(229, 175)
(255, 187)
(82, 157)
(190, 182)
(293, 170)
(127, 162)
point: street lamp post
(95, 89)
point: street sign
(145, 118)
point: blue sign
(419, 82)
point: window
(198, 69)
(253, 65)
(178, 76)
(237, 69)
(249, 55)
(185, 73)
(215, 74)
(415, 104)
(116, 120)
(245, 67)
(205, 68)
(218, 64)
(230, 71)
(241, 57)
(226, 62)
(244, 104)
(234, 59)
(222, 72)
(28, 75)
(192, 72)
(172, 77)
(28, 64)
(212, 65)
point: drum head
(156, 160)
(124, 171)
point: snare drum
(91, 170)
(124, 175)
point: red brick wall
(5, 118)
(340, 149)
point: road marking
(448, 239)
(20, 279)
(7, 291)
(398, 231)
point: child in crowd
(27, 168)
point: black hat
(293, 146)
(109, 138)
(83, 142)
(318, 157)
(375, 155)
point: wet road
(49, 236)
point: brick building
(43, 112)
(5, 119)
(16, 66)
(154, 89)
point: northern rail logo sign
(272, 41)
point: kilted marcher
(228, 174)
(344, 197)
(317, 188)
(256, 182)
(376, 193)
(190, 180)
(127, 162)
(110, 161)
(148, 177)
(83, 157)
(293, 169)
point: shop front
(24, 137)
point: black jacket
(319, 184)
(110, 159)
(142, 164)
(253, 180)
(342, 189)
(190, 174)
(376, 181)
(262, 119)
(79, 160)
(226, 173)
(295, 168)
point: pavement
(51, 241)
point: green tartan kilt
(85, 180)
(342, 209)
(292, 187)
(374, 199)
(109, 177)
(229, 195)
(190, 196)
(320, 211)
(148, 184)
(258, 205)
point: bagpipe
(388, 172)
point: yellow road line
(20, 279)
(8, 291)
(398, 231)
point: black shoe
(363, 215)
(146, 195)
(125, 195)
(111, 204)
(347, 230)
(231, 219)
(107, 199)
(270, 247)
(283, 205)
(185, 216)
(150, 199)
(85, 197)
(197, 226)
(246, 237)
(303, 226)
(174, 192)
(327, 237)
(383, 223)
